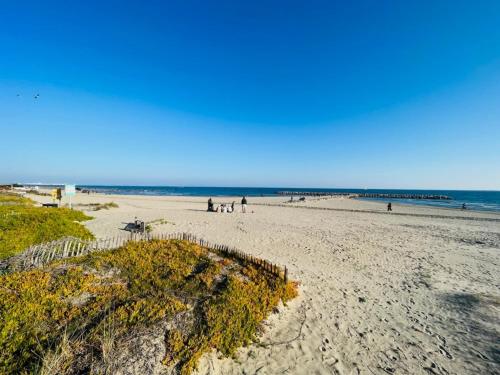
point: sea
(475, 200)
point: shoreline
(375, 206)
(488, 205)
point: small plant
(107, 344)
(58, 361)
(150, 225)
(106, 206)
(160, 222)
(96, 206)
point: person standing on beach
(210, 205)
(244, 205)
(389, 206)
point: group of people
(226, 208)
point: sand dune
(411, 293)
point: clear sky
(377, 94)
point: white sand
(380, 293)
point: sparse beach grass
(70, 315)
(14, 199)
(23, 225)
(151, 224)
(160, 222)
(97, 206)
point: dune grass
(23, 225)
(14, 199)
(97, 206)
(62, 315)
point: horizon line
(255, 187)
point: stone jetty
(363, 195)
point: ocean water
(476, 200)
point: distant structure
(365, 195)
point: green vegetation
(160, 222)
(97, 206)
(150, 225)
(23, 225)
(69, 316)
(14, 199)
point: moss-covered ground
(68, 316)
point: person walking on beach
(210, 205)
(389, 206)
(232, 207)
(244, 205)
(464, 207)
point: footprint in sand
(481, 355)
(325, 345)
(393, 354)
(445, 352)
(434, 368)
(440, 338)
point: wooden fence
(39, 255)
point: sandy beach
(415, 291)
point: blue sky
(275, 93)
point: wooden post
(65, 248)
(53, 252)
(285, 278)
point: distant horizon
(247, 187)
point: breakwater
(363, 195)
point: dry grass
(58, 361)
(96, 206)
